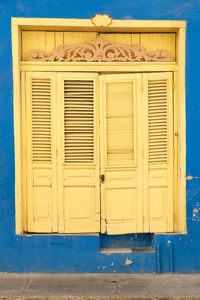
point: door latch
(102, 177)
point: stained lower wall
(81, 253)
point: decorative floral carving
(101, 20)
(99, 51)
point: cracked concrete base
(99, 286)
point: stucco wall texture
(76, 254)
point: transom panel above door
(99, 152)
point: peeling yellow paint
(189, 177)
(128, 262)
(195, 212)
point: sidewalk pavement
(99, 286)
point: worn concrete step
(99, 286)
(98, 298)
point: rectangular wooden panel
(79, 176)
(42, 203)
(32, 40)
(59, 38)
(77, 38)
(120, 38)
(157, 203)
(47, 40)
(121, 205)
(156, 41)
(50, 41)
(76, 207)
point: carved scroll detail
(100, 51)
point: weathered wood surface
(99, 50)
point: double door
(98, 153)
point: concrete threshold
(99, 286)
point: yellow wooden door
(64, 164)
(121, 154)
(158, 136)
(40, 149)
(78, 153)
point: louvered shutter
(78, 165)
(41, 151)
(41, 120)
(158, 152)
(79, 121)
(121, 154)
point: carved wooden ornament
(101, 20)
(100, 51)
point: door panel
(41, 152)
(121, 163)
(78, 165)
(158, 156)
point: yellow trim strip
(148, 25)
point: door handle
(102, 177)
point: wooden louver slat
(78, 121)
(41, 120)
(157, 121)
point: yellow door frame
(19, 68)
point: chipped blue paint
(81, 253)
(126, 241)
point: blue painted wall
(81, 253)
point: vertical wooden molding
(102, 95)
(181, 132)
(176, 115)
(23, 207)
(17, 128)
